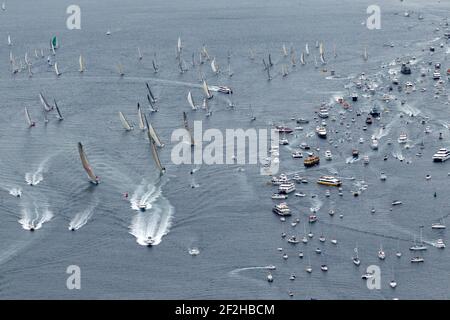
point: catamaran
(44, 102)
(60, 117)
(126, 125)
(84, 161)
(191, 101)
(29, 121)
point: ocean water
(228, 215)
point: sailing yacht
(57, 70)
(139, 54)
(9, 40)
(155, 155)
(186, 126)
(120, 70)
(126, 125)
(28, 118)
(206, 90)
(82, 64)
(140, 117)
(60, 117)
(191, 101)
(44, 102)
(214, 66)
(419, 246)
(93, 178)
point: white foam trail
(380, 133)
(81, 218)
(34, 178)
(16, 192)
(144, 195)
(153, 224)
(34, 219)
(351, 160)
(316, 204)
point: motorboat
(393, 284)
(269, 277)
(396, 202)
(149, 241)
(302, 121)
(312, 218)
(300, 194)
(438, 225)
(328, 155)
(366, 159)
(439, 244)
(355, 153)
(383, 176)
(322, 238)
(367, 276)
(318, 251)
(279, 196)
(374, 144)
(297, 154)
(381, 254)
(293, 240)
(417, 260)
(369, 120)
(321, 132)
(284, 141)
(405, 69)
(441, 155)
(304, 146)
(282, 209)
(282, 129)
(323, 112)
(142, 206)
(436, 75)
(324, 267)
(300, 255)
(224, 89)
(329, 181)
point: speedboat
(284, 141)
(318, 251)
(300, 255)
(374, 144)
(149, 241)
(283, 129)
(442, 155)
(278, 196)
(312, 218)
(302, 121)
(297, 154)
(396, 202)
(356, 261)
(324, 267)
(392, 284)
(438, 225)
(322, 238)
(439, 244)
(269, 277)
(329, 181)
(308, 269)
(381, 254)
(366, 159)
(300, 194)
(328, 155)
(224, 89)
(383, 176)
(142, 206)
(417, 260)
(436, 75)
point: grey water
(227, 216)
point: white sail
(284, 50)
(153, 144)
(141, 118)
(179, 45)
(206, 90)
(321, 50)
(307, 49)
(139, 54)
(214, 66)
(124, 121)
(84, 161)
(191, 101)
(120, 69)
(44, 102)
(36, 53)
(150, 93)
(302, 59)
(365, 54)
(322, 59)
(11, 57)
(52, 48)
(205, 53)
(251, 54)
(28, 118)
(9, 40)
(81, 62)
(3, 6)
(27, 62)
(56, 69)
(154, 136)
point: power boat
(355, 153)
(328, 155)
(374, 144)
(329, 181)
(381, 254)
(442, 155)
(439, 244)
(323, 112)
(142, 206)
(436, 75)
(354, 97)
(282, 209)
(369, 120)
(367, 276)
(297, 154)
(293, 240)
(224, 89)
(278, 196)
(284, 141)
(300, 255)
(383, 176)
(312, 218)
(302, 121)
(282, 129)
(149, 241)
(308, 269)
(393, 284)
(322, 238)
(321, 132)
(396, 202)
(405, 69)
(324, 267)
(318, 251)
(438, 225)
(286, 187)
(300, 194)
(417, 260)
(269, 277)
(366, 159)
(304, 146)
(403, 138)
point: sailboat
(252, 118)
(126, 125)
(57, 70)
(270, 60)
(420, 246)
(155, 66)
(28, 118)
(251, 54)
(393, 283)
(191, 101)
(214, 66)
(284, 50)
(307, 49)
(150, 93)
(9, 40)
(52, 48)
(44, 102)
(205, 106)
(398, 253)
(155, 155)
(269, 77)
(36, 55)
(140, 117)
(81, 62)
(206, 90)
(27, 61)
(60, 117)
(120, 69)
(365, 55)
(205, 53)
(356, 260)
(151, 103)
(302, 59)
(293, 62)
(179, 46)
(322, 53)
(3, 6)
(284, 70)
(230, 72)
(84, 161)
(186, 126)
(139, 54)
(152, 133)
(55, 42)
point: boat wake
(81, 218)
(34, 178)
(34, 219)
(316, 204)
(155, 221)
